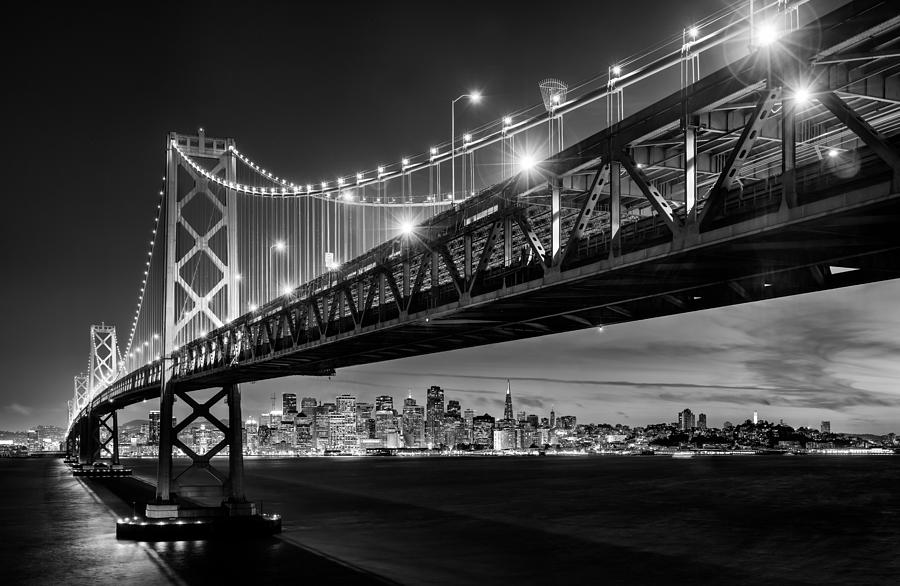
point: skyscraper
(288, 403)
(413, 423)
(552, 418)
(453, 409)
(434, 411)
(508, 410)
(686, 420)
(308, 406)
(342, 425)
(384, 403)
(701, 421)
(825, 427)
(483, 431)
(153, 436)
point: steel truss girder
(871, 137)
(600, 181)
(531, 236)
(738, 155)
(657, 201)
(489, 244)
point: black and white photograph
(451, 293)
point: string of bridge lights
(140, 303)
(341, 189)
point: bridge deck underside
(768, 262)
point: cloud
(20, 409)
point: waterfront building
(434, 404)
(321, 424)
(505, 434)
(385, 422)
(303, 434)
(344, 434)
(153, 435)
(413, 424)
(483, 431)
(365, 420)
(288, 403)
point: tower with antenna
(508, 410)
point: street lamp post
(474, 97)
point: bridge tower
(104, 357)
(201, 239)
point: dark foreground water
(738, 520)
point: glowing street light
(766, 34)
(253, 307)
(802, 96)
(286, 290)
(833, 153)
(617, 70)
(526, 162)
(693, 32)
(474, 97)
(406, 227)
(279, 245)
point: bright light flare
(406, 227)
(253, 307)
(287, 290)
(526, 162)
(693, 32)
(802, 96)
(833, 153)
(279, 246)
(616, 70)
(475, 96)
(766, 34)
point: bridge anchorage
(776, 175)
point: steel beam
(657, 201)
(555, 221)
(871, 137)
(615, 208)
(690, 172)
(739, 154)
(600, 181)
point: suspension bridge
(775, 173)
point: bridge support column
(235, 502)
(164, 461)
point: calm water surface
(801, 520)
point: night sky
(323, 89)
